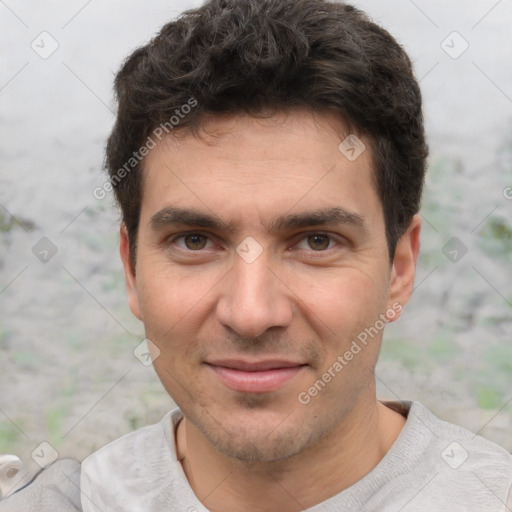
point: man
(268, 158)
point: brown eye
(195, 242)
(318, 242)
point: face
(262, 261)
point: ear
(404, 267)
(129, 275)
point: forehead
(241, 164)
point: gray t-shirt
(432, 466)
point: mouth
(256, 376)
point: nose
(254, 299)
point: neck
(341, 459)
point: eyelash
(332, 238)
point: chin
(252, 447)
(252, 434)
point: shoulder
(457, 446)
(133, 466)
(456, 467)
(134, 440)
(55, 488)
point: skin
(303, 299)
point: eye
(192, 241)
(316, 242)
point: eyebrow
(334, 215)
(172, 216)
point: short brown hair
(232, 56)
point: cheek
(344, 301)
(169, 297)
(176, 306)
(173, 308)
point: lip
(256, 376)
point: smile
(256, 377)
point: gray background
(68, 375)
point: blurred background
(68, 374)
